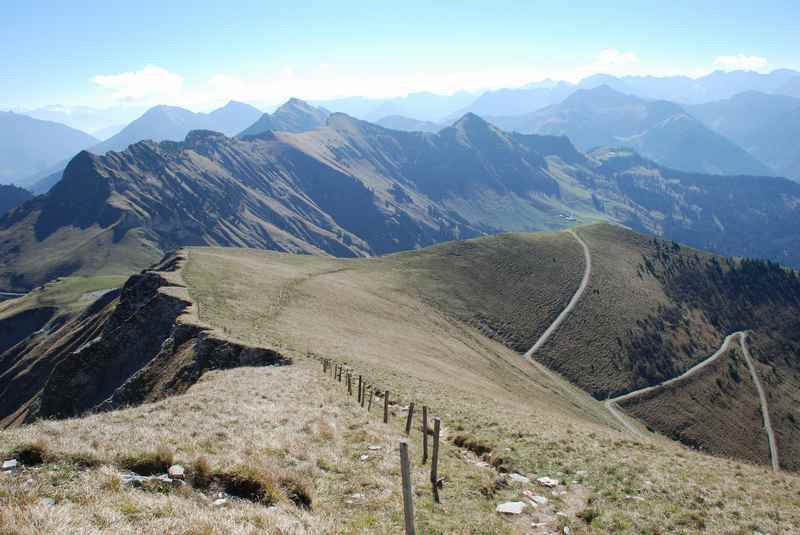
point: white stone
(364, 457)
(567, 530)
(541, 500)
(9, 464)
(547, 482)
(482, 464)
(519, 478)
(511, 508)
(176, 471)
(219, 502)
(373, 447)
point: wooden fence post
(371, 394)
(435, 459)
(409, 418)
(363, 394)
(386, 407)
(424, 434)
(349, 385)
(359, 389)
(408, 499)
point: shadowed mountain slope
(659, 130)
(767, 126)
(29, 146)
(354, 188)
(12, 196)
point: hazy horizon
(201, 55)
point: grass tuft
(149, 463)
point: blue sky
(201, 53)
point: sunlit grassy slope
(415, 324)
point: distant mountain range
(767, 126)
(677, 141)
(12, 196)
(660, 130)
(29, 146)
(353, 188)
(294, 116)
(407, 124)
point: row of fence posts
(342, 372)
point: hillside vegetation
(407, 324)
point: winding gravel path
(612, 404)
(587, 272)
(773, 448)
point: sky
(201, 54)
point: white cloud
(155, 85)
(741, 62)
(150, 83)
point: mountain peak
(470, 120)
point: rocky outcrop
(145, 345)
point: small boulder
(220, 502)
(519, 478)
(511, 508)
(547, 482)
(10, 464)
(176, 471)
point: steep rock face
(129, 347)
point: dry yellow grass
(296, 422)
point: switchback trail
(773, 448)
(613, 407)
(587, 272)
(611, 404)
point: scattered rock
(535, 498)
(134, 479)
(547, 482)
(176, 471)
(483, 464)
(519, 478)
(10, 464)
(364, 457)
(220, 502)
(511, 508)
(581, 473)
(374, 447)
(634, 498)
(357, 495)
(567, 530)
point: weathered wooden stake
(359, 389)
(363, 394)
(386, 407)
(435, 459)
(349, 385)
(424, 434)
(409, 418)
(371, 394)
(408, 499)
